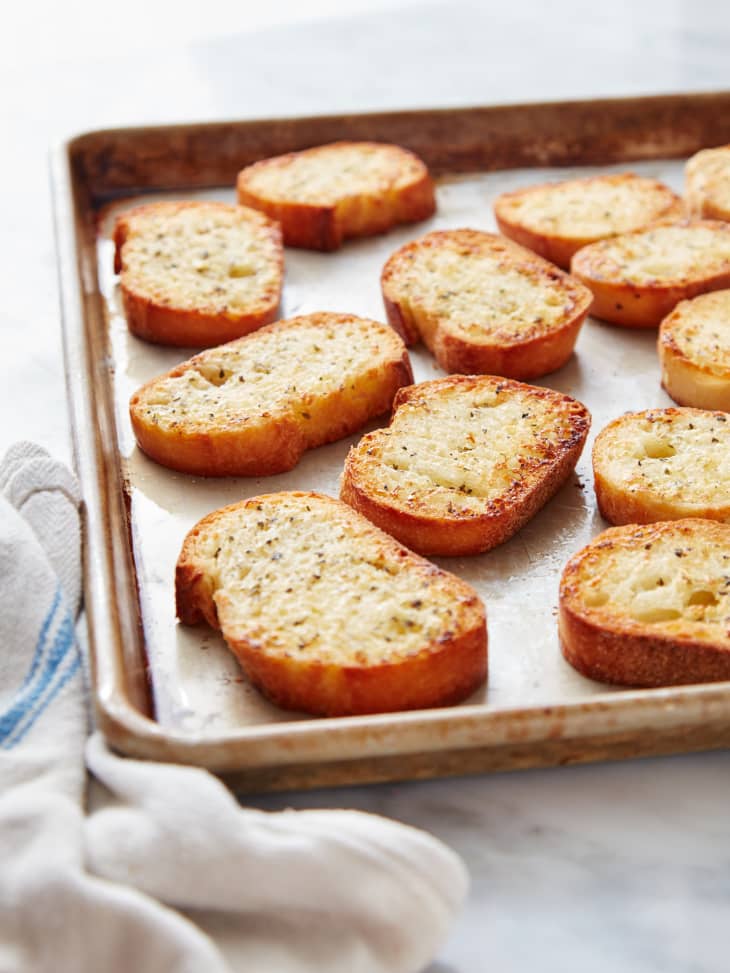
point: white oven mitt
(79, 893)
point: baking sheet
(198, 688)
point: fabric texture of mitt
(84, 893)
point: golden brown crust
(689, 559)
(694, 352)
(189, 308)
(218, 434)
(350, 670)
(557, 251)
(663, 464)
(707, 184)
(627, 277)
(344, 190)
(441, 675)
(405, 479)
(483, 304)
(544, 218)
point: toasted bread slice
(326, 613)
(483, 304)
(638, 278)
(694, 351)
(557, 219)
(196, 274)
(465, 462)
(325, 195)
(707, 184)
(663, 464)
(650, 605)
(253, 406)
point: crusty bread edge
(303, 225)
(688, 382)
(316, 227)
(624, 654)
(637, 306)
(555, 249)
(194, 592)
(702, 207)
(633, 305)
(325, 227)
(458, 536)
(163, 324)
(619, 507)
(439, 675)
(449, 536)
(522, 360)
(261, 448)
(626, 658)
(699, 203)
(267, 445)
(400, 318)
(561, 250)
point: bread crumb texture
(201, 256)
(674, 575)
(325, 174)
(671, 255)
(278, 370)
(664, 464)
(694, 351)
(650, 605)
(302, 580)
(456, 447)
(700, 331)
(463, 450)
(336, 586)
(482, 288)
(291, 385)
(588, 209)
(707, 183)
(330, 193)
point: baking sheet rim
(127, 727)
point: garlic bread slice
(196, 274)
(483, 304)
(465, 462)
(325, 195)
(649, 605)
(663, 464)
(253, 406)
(638, 278)
(694, 351)
(707, 184)
(557, 219)
(326, 613)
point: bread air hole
(652, 615)
(553, 300)
(214, 374)
(658, 449)
(241, 270)
(650, 581)
(702, 597)
(595, 599)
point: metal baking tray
(168, 692)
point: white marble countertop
(597, 868)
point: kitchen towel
(85, 892)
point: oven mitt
(82, 892)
